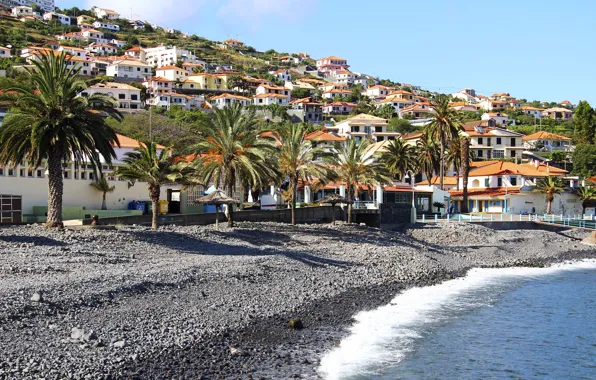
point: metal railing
(568, 220)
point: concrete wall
(303, 215)
(76, 193)
(566, 203)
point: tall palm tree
(299, 159)
(550, 186)
(146, 164)
(103, 186)
(50, 122)
(465, 171)
(586, 195)
(427, 156)
(355, 165)
(399, 157)
(231, 149)
(444, 127)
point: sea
(511, 323)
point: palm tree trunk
(333, 213)
(294, 185)
(104, 205)
(349, 205)
(154, 198)
(442, 161)
(231, 207)
(465, 163)
(55, 188)
(549, 202)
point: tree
(465, 171)
(300, 93)
(428, 157)
(386, 111)
(356, 166)
(550, 186)
(584, 121)
(584, 160)
(236, 81)
(444, 127)
(298, 159)
(586, 195)
(146, 164)
(398, 158)
(275, 110)
(400, 125)
(231, 148)
(103, 186)
(51, 122)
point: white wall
(566, 203)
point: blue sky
(532, 49)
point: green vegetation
(550, 186)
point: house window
(513, 141)
(499, 182)
(486, 182)
(512, 153)
(22, 173)
(133, 97)
(513, 181)
(11, 172)
(498, 154)
(39, 174)
(480, 140)
(488, 141)
(480, 153)
(498, 141)
(121, 96)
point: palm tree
(465, 171)
(231, 150)
(585, 194)
(146, 164)
(550, 186)
(444, 127)
(299, 159)
(399, 157)
(427, 156)
(104, 187)
(50, 122)
(354, 165)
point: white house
(106, 25)
(342, 76)
(103, 13)
(128, 97)
(547, 141)
(165, 55)
(536, 112)
(128, 69)
(102, 49)
(364, 126)
(493, 105)
(332, 63)
(416, 110)
(64, 19)
(338, 108)
(500, 117)
(223, 100)
(158, 85)
(172, 99)
(270, 98)
(118, 43)
(94, 35)
(468, 97)
(506, 187)
(172, 73)
(31, 184)
(74, 51)
(489, 142)
(398, 103)
(335, 93)
(377, 91)
(5, 52)
(264, 89)
(20, 11)
(45, 5)
(283, 75)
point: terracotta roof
(127, 142)
(271, 96)
(451, 181)
(394, 99)
(507, 168)
(224, 96)
(323, 136)
(402, 189)
(278, 88)
(545, 136)
(333, 57)
(486, 192)
(337, 91)
(528, 108)
(158, 79)
(411, 136)
(341, 104)
(170, 67)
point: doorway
(173, 201)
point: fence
(570, 220)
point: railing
(569, 220)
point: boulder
(296, 323)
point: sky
(535, 50)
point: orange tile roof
(545, 136)
(170, 67)
(333, 57)
(486, 192)
(127, 142)
(507, 168)
(411, 136)
(157, 79)
(337, 91)
(271, 96)
(223, 96)
(451, 181)
(341, 104)
(323, 136)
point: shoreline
(190, 302)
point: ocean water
(512, 323)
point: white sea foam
(382, 337)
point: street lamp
(410, 175)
